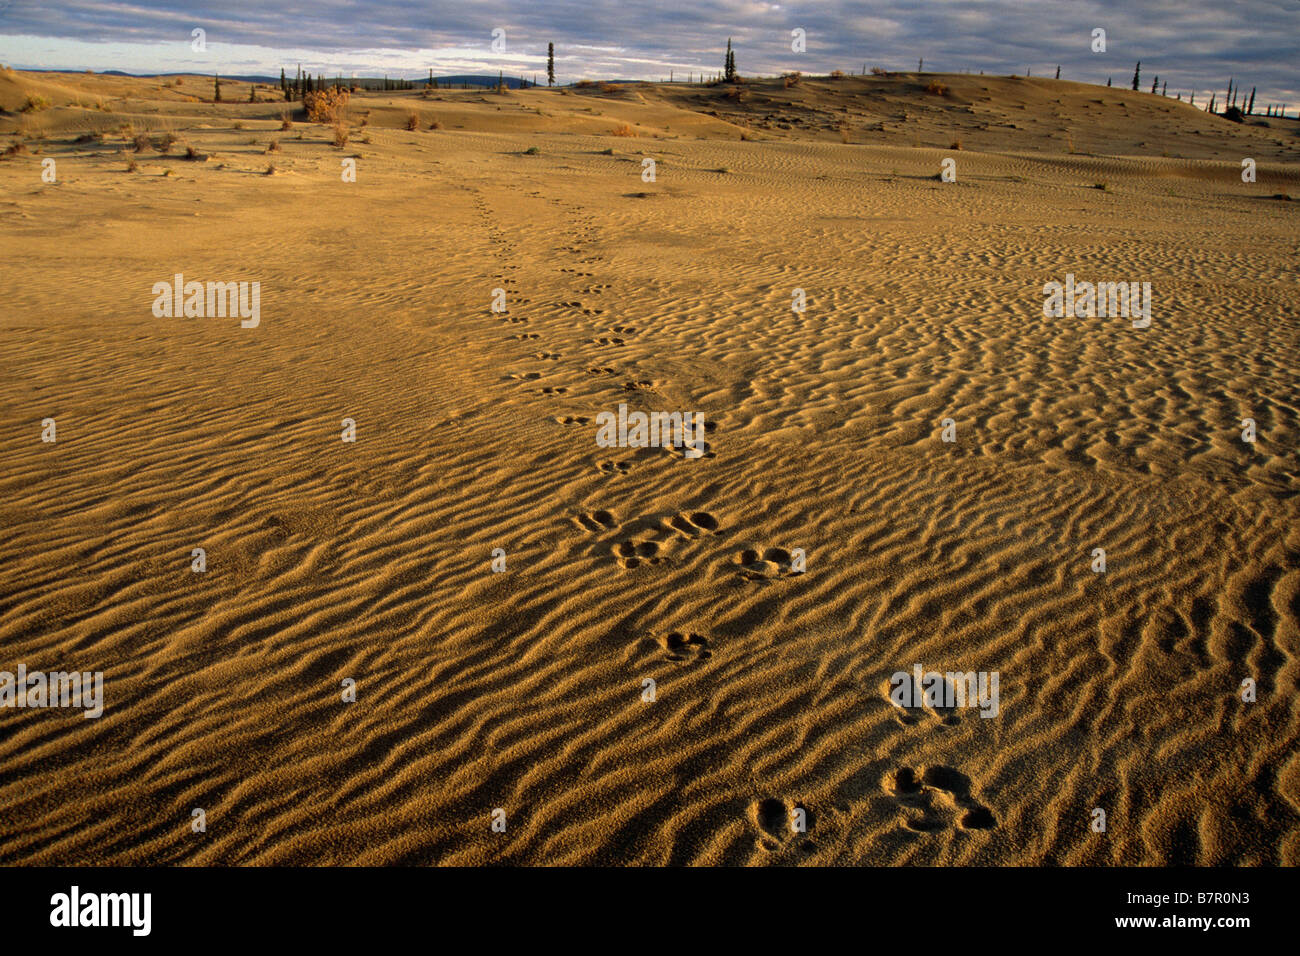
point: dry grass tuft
(624, 130)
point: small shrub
(956, 144)
(937, 88)
(13, 149)
(624, 130)
(532, 151)
(165, 142)
(1104, 187)
(132, 166)
(191, 153)
(326, 106)
(584, 84)
(412, 122)
(34, 104)
(610, 88)
(340, 135)
(286, 123)
(879, 71)
(273, 146)
(435, 125)
(140, 142)
(791, 79)
(239, 125)
(836, 74)
(270, 169)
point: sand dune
(476, 430)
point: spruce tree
(1155, 83)
(550, 64)
(1250, 104)
(216, 94)
(1108, 81)
(282, 84)
(729, 64)
(1058, 72)
(252, 89)
(1137, 72)
(1164, 88)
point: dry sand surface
(476, 430)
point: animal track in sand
(765, 565)
(695, 524)
(600, 370)
(516, 319)
(553, 390)
(615, 467)
(597, 521)
(631, 553)
(525, 376)
(911, 715)
(574, 420)
(577, 272)
(640, 386)
(524, 335)
(940, 799)
(680, 453)
(549, 356)
(604, 341)
(682, 648)
(775, 821)
(624, 329)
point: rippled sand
(523, 690)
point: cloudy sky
(1191, 44)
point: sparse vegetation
(164, 143)
(140, 142)
(791, 79)
(412, 122)
(532, 151)
(34, 104)
(273, 146)
(270, 169)
(1104, 187)
(836, 75)
(936, 88)
(285, 122)
(340, 135)
(879, 71)
(435, 125)
(956, 144)
(624, 130)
